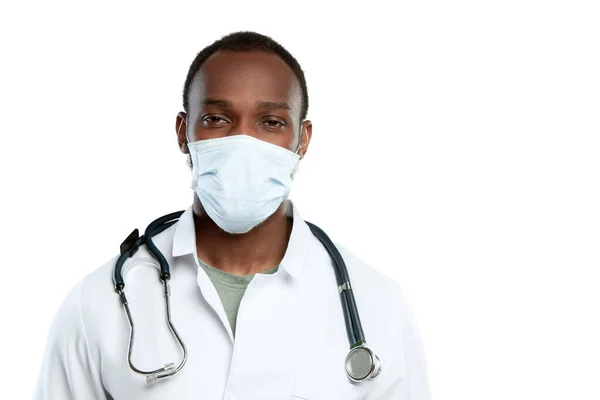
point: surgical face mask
(240, 180)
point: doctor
(253, 292)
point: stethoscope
(361, 363)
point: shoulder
(369, 278)
(74, 307)
(379, 297)
(97, 288)
(98, 283)
(370, 285)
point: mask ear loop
(293, 174)
(299, 140)
(179, 129)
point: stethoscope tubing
(137, 241)
(350, 310)
(128, 249)
(133, 242)
(155, 227)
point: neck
(242, 254)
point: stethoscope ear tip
(165, 371)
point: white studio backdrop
(455, 148)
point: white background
(455, 148)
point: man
(253, 292)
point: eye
(274, 123)
(214, 120)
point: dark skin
(257, 94)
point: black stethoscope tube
(133, 242)
(154, 228)
(353, 325)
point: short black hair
(246, 41)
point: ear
(305, 138)
(181, 129)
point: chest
(290, 343)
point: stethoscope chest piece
(362, 364)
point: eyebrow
(218, 103)
(274, 105)
(270, 105)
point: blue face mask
(240, 180)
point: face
(252, 93)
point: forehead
(245, 78)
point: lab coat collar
(184, 240)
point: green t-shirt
(230, 288)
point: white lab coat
(290, 342)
